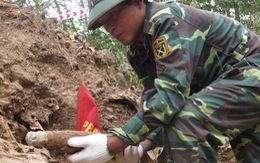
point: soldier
(201, 77)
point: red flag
(87, 113)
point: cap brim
(99, 10)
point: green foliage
(39, 4)
(246, 11)
(101, 39)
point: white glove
(133, 154)
(95, 149)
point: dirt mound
(40, 70)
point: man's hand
(95, 149)
(133, 154)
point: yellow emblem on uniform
(160, 47)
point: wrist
(109, 153)
(146, 145)
(115, 145)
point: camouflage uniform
(201, 77)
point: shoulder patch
(160, 47)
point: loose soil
(40, 70)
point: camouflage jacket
(185, 49)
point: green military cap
(97, 9)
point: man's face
(125, 22)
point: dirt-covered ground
(40, 70)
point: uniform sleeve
(144, 66)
